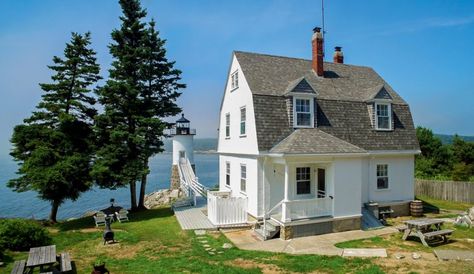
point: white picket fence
(225, 210)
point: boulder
(163, 197)
(471, 213)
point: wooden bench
(65, 262)
(19, 267)
(443, 233)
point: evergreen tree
(55, 145)
(142, 89)
(158, 94)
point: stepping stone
(399, 256)
(212, 253)
(208, 249)
(227, 246)
(206, 245)
(461, 255)
(364, 252)
(200, 232)
(220, 252)
(203, 242)
(416, 256)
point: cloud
(428, 23)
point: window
(382, 176)
(383, 118)
(243, 117)
(227, 173)
(303, 113)
(303, 180)
(243, 178)
(227, 125)
(234, 80)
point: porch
(304, 188)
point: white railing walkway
(189, 181)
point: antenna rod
(324, 32)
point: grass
(153, 242)
(446, 205)
(460, 239)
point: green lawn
(446, 205)
(461, 239)
(154, 243)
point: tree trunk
(141, 201)
(54, 211)
(133, 196)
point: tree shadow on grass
(88, 222)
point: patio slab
(365, 252)
(320, 244)
(459, 255)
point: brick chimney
(317, 42)
(338, 56)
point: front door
(321, 183)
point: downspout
(263, 199)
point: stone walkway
(320, 244)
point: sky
(423, 49)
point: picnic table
(426, 229)
(41, 256)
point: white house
(309, 143)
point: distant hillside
(200, 145)
(448, 139)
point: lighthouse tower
(183, 147)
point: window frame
(234, 80)
(227, 125)
(388, 116)
(227, 174)
(311, 111)
(243, 178)
(383, 176)
(243, 122)
(308, 180)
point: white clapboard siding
(224, 210)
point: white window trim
(232, 86)
(227, 125)
(227, 172)
(389, 109)
(304, 195)
(377, 177)
(241, 178)
(311, 111)
(243, 121)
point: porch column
(285, 214)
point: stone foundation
(174, 181)
(346, 224)
(321, 227)
(399, 208)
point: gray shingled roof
(271, 75)
(314, 141)
(341, 105)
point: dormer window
(303, 112)
(234, 80)
(383, 119)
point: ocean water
(27, 205)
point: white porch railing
(309, 208)
(225, 210)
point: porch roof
(314, 141)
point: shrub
(20, 235)
(461, 172)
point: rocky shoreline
(162, 197)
